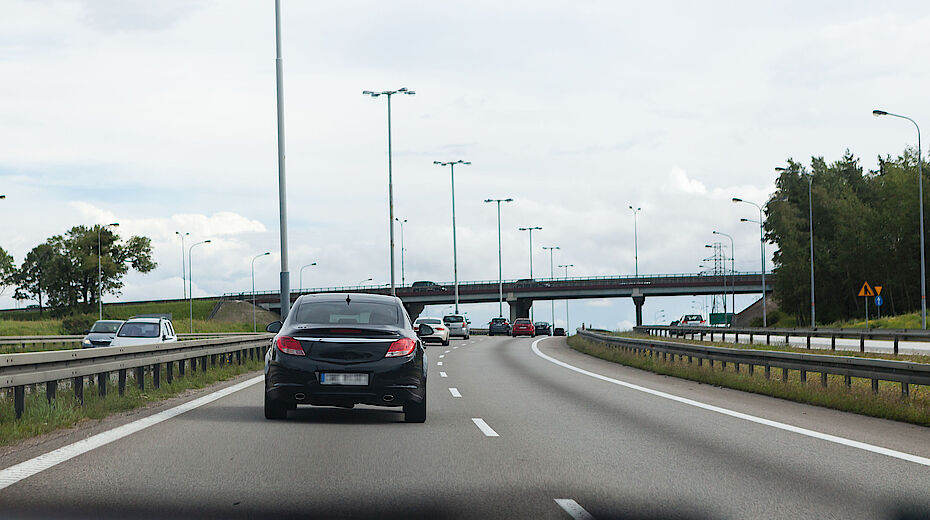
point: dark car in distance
(499, 326)
(558, 331)
(346, 349)
(542, 327)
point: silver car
(457, 324)
(101, 334)
(440, 331)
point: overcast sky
(160, 115)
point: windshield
(352, 313)
(430, 321)
(106, 326)
(453, 319)
(138, 329)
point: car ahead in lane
(457, 324)
(689, 320)
(523, 327)
(558, 331)
(144, 331)
(101, 334)
(499, 326)
(440, 331)
(346, 349)
(542, 328)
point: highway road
(513, 431)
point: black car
(542, 327)
(499, 326)
(558, 331)
(343, 350)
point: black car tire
(467, 336)
(275, 410)
(416, 412)
(445, 342)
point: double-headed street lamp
(390, 93)
(551, 275)
(183, 267)
(732, 271)
(567, 328)
(635, 240)
(301, 275)
(500, 262)
(455, 262)
(100, 272)
(402, 222)
(530, 230)
(765, 322)
(920, 194)
(190, 282)
(253, 286)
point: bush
(77, 323)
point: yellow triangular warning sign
(878, 290)
(866, 290)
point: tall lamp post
(635, 240)
(253, 286)
(920, 194)
(100, 271)
(765, 322)
(567, 328)
(500, 262)
(365, 280)
(390, 93)
(551, 275)
(190, 282)
(183, 267)
(732, 272)
(530, 230)
(402, 278)
(301, 275)
(455, 262)
(285, 276)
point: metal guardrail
(904, 372)
(25, 341)
(19, 370)
(693, 332)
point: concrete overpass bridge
(520, 294)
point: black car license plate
(329, 378)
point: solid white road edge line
(483, 426)
(443, 374)
(739, 415)
(23, 470)
(573, 509)
(455, 392)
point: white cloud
(679, 180)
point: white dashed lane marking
(573, 509)
(442, 356)
(455, 392)
(439, 364)
(443, 374)
(483, 426)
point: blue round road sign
(878, 301)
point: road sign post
(866, 292)
(878, 300)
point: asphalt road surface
(511, 432)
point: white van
(144, 331)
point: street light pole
(100, 271)
(402, 278)
(253, 287)
(762, 249)
(732, 272)
(500, 262)
(635, 239)
(530, 229)
(365, 280)
(551, 275)
(455, 262)
(301, 275)
(390, 93)
(920, 193)
(183, 267)
(282, 184)
(190, 282)
(567, 328)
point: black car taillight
(401, 347)
(289, 345)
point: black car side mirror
(424, 330)
(274, 327)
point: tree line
(61, 273)
(865, 226)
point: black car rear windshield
(453, 319)
(693, 317)
(351, 313)
(106, 326)
(498, 320)
(138, 330)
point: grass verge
(41, 417)
(888, 403)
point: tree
(32, 277)
(7, 270)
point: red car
(523, 326)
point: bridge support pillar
(414, 309)
(520, 308)
(638, 301)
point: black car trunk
(346, 345)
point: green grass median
(888, 403)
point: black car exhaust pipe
(388, 398)
(299, 396)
